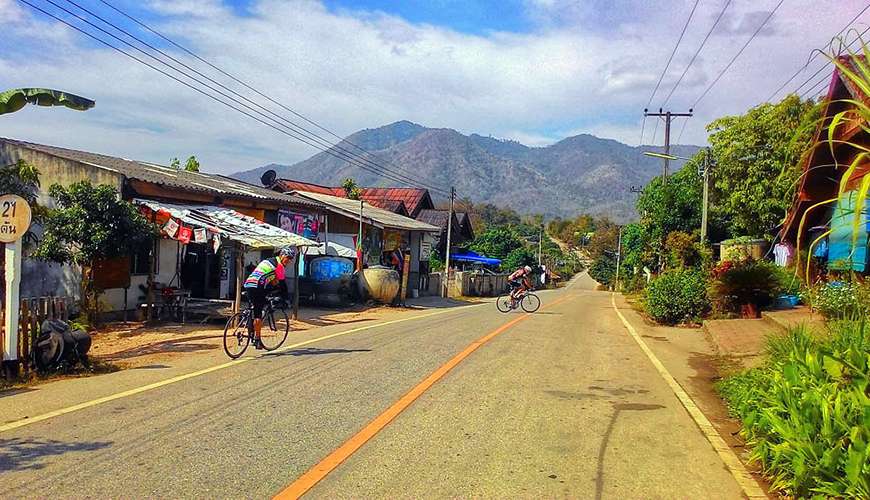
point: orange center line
(343, 452)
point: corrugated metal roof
(414, 199)
(376, 216)
(436, 218)
(395, 206)
(230, 224)
(214, 184)
(290, 185)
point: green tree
(89, 224)
(671, 206)
(351, 190)
(519, 257)
(192, 164)
(497, 242)
(757, 158)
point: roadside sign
(14, 217)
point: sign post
(14, 222)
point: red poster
(184, 234)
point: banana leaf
(15, 99)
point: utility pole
(618, 260)
(540, 243)
(708, 162)
(668, 116)
(447, 253)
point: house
(820, 221)
(216, 225)
(383, 231)
(461, 230)
(404, 201)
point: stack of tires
(59, 347)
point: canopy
(335, 249)
(15, 99)
(230, 224)
(470, 256)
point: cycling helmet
(528, 269)
(287, 252)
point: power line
(246, 85)
(695, 56)
(828, 63)
(282, 129)
(728, 66)
(817, 87)
(815, 54)
(682, 129)
(671, 58)
(297, 128)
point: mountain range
(579, 174)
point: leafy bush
(677, 295)
(840, 300)
(603, 270)
(745, 282)
(806, 412)
(519, 257)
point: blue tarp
(842, 255)
(470, 256)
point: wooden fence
(32, 313)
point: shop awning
(474, 258)
(335, 250)
(228, 224)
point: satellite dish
(268, 178)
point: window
(139, 261)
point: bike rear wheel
(276, 325)
(530, 303)
(503, 303)
(236, 336)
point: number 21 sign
(14, 217)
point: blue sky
(535, 71)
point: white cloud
(352, 70)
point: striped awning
(229, 224)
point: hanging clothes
(783, 254)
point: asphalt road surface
(562, 403)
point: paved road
(562, 404)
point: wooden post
(296, 283)
(406, 271)
(25, 335)
(152, 264)
(240, 279)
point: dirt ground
(136, 344)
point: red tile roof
(405, 201)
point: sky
(535, 71)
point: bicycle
(524, 298)
(239, 331)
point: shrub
(840, 300)
(806, 412)
(677, 295)
(603, 270)
(745, 282)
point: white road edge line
(15, 424)
(750, 487)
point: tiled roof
(372, 214)
(415, 199)
(213, 184)
(436, 218)
(395, 206)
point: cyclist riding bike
(519, 281)
(267, 277)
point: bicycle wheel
(236, 337)
(530, 303)
(276, 325)
(503, 303)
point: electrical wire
(247, 85)
(282, 129)
(671, 58)
(695, 55)
(816, 53)
(297, 128)
(739, 52)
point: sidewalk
(696, 364)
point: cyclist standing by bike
(268, 276)
(519, 280)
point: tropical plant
(351, 190)
(90, 223)
(174, 163)
(840, 300)
(192, 164)
(676, 296)
(806, 412)
(743, 283)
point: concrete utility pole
(618, 260)
(540, 243)
(668, 116)
(447, 252)
(706, 165)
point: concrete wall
(478, 285)
(113, 299)
(41, 278)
